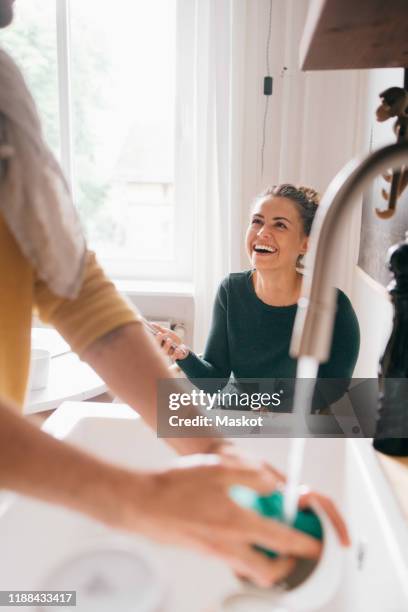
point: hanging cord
(267, 86)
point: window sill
(154, 288)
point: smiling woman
(277, 239)
(254, 311)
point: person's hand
(189, 504)
(170, 343)
(306, 500)
(228, 450)
(232, 452)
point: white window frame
(181, 267)
(64, 87)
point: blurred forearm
(131, 364)
(36, 464)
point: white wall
(369, 297)
(374, 312)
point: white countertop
(69, 377)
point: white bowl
(110, 578)
(39, 369)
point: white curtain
(219, 65)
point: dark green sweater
(251, 339)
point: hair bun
(311, 194)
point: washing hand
(189, 504)
(170, 343)
(307, 497)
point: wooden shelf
(341, 34)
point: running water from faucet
(306, 375)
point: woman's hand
(189, 504)
(170, 343)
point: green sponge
(272, 506)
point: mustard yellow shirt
(97, 310)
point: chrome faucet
(314, 323)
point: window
(104, 78)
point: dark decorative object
(380, 231)
(394, 103)
(392, 426)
